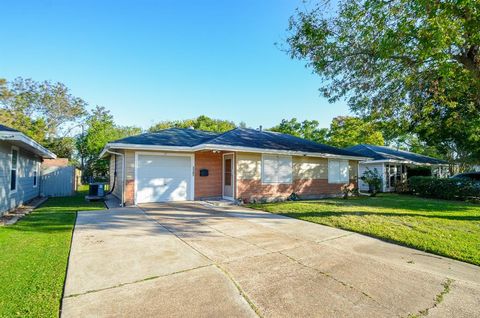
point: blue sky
(148, 61)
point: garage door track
(190, 259)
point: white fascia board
(143, 147)
(21, 138)
(279, 152)
(225, 148)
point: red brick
(305, 188)
(210, 186)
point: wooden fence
(58, 181)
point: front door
(228, 176)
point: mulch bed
(13, 216)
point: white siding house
(394, 166)
(20, 159)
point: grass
(445, 228)
(34, 256)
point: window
(13, 170)
(276, 169)
(35, 178)
(338, 171)
(228, 172)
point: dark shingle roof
(252, 138)
(5, 128)
(179, 137)
(386, 153)
(239, 137)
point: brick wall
(129, 192)
(211, 186)
(305, 188)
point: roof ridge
(399, 151)
(409, 152)
(219, 135)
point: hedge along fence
(447, 189)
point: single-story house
(396, 166)
(20, 162)
(187, 164)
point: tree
(411, 142)
(100, 129)
(409, 63)
(41, 110)
(63, 147)
(201, 123)
(308, 129)
(346, 131)
(44, 111)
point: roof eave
(405, 162)
(14, 136)
(224, 148)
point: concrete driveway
(189, 259)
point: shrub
(349, 189)
(373, 179)
(448, 189)
(293, 197)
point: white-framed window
(13, 170)
(276, 169)
(35, 176)
(338, 171)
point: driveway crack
(335, 279)
(137, 281)
(437, 300)
(242, 293)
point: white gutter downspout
(123, 174)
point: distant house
(396, 165)
(186, 164)
(20, 162)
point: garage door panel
(163, 178)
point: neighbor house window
(338, 171)
(276, 169)
(35, 177)
(13, 170)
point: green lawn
(446, 228)
(34, 255)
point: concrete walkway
(177, 260)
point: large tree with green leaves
(40, 109)
(344, 131)
(308, 129)
(411, 64)
(201, 123)
(100, 128)
(44, 111)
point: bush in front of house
(447, 189)
(373, 179)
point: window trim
(35, 175)
(348, 171)
(16, 169)
(278, 156)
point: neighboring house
(186, 164)
(396, 166)
(20, 162)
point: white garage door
(164, 178)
